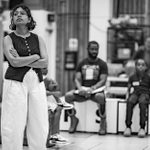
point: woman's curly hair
(31, 25)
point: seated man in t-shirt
(91, 74)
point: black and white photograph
(74, 74)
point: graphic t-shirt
(91, 71)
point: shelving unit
(122, 42)
(116, 87)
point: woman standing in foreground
(24, 96)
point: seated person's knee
(100, 97)
(69, 97)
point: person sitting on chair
(139, 92)
(55, 106)
(91, 74)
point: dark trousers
(143, 100)
(99, 98)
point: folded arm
(14, 59)
(43, 61)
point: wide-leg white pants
(24, 104)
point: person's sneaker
(74, 124)
(65, 105)
(141, 133)
(127, 132)
(50, 143)
(102, 130)
(59, 138)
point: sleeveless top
(24, 47)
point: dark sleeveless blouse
(24, 47)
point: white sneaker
(65, 105)
(127, 132)
(141, 133)
(59, 139)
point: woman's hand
(37, 56)
(13, 52)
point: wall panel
(135, 8)
(72, 22)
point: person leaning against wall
(24, 100)
(91, 74)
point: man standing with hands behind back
(91, 74)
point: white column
(100, 13)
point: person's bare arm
(102, 82)
(129, 90)
(16, 61)
(78, 80)
(55, 93)
(43, 61)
